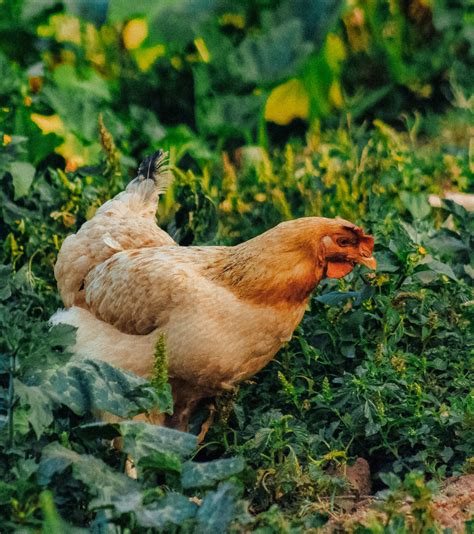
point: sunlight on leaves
(287, 102)
(146, 57)
(134, 33)
(202, 49)
(49, 123)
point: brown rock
(358, 476)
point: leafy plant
(270, 111)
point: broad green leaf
(386, 263)
(120, 10)
(218, 509)
(97, 475)
(391, 480)
(88, 385)
(174, 32)
(131, 502)
(173, 509)
(365, 293)
(38, 404)
(148, 123)
(5, 281)
(162, 462)
(228, 112)
(416, 203)
(320, 81)
(23, 174)
(196, 474)
(74, 114)
(348, 350)
(371, 428)
(91, 85)
(425, 277)
(447, 243)
(21, 423)
(7, 491)
(39, 131)
(98, 430)
(9, 76)
(52, 522)
(46, 353)
(143, 439)
(447, 453)
(95, 11)
(163, 398)
(410, 231)
(457, 209)
(469, 271)
(269, 57)
(438, 267)
(62, 335)
(317, 16)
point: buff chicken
(225, 311)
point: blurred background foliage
(271, 110)
(230, 73)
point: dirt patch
(450, 508)
(455, 503)
(358, 476)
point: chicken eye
(345, 242)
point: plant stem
(11, 395)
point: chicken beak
(371, 262)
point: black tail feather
(153, 166)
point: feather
(125, 222)
(112, 243)
(156, 168)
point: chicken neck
(279, 267)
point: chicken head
(344, 247)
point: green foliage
(160, 366)
(381, 366)
(365, 375)
(412, 495)
(159, 376)
(225, 73)
(49, 441)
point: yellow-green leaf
(287, 102)
(146, 57)
(134, 33)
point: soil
(450, 508)
(455, 504)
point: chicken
(224, 311)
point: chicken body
(225, 311)
(213, 337)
